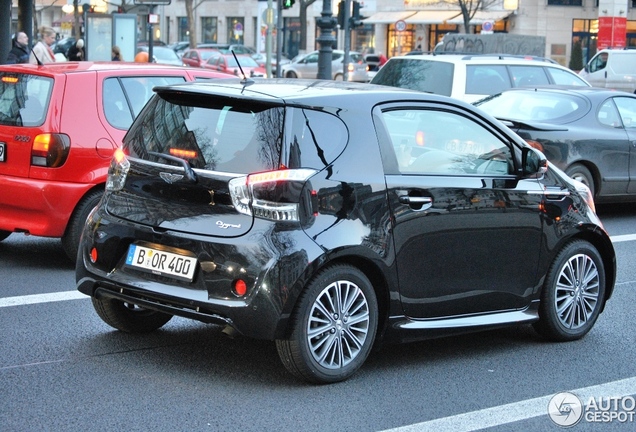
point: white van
(612, 68)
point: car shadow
(34, 252)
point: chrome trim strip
(471, 321)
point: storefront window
(235, 29)
(184, 33)
(209, 29)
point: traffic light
(341, 11)
(356, 18)
(287, 4)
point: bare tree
(470, 7)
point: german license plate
(161, 262)
(3, 151)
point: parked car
(179, 47)
(162, 55)
(472, 77)
(63, 45)
(227, 63)
(228, 48)
(306, 66)
(326, 216)
(197, 57)
(587, 132)
(59, 127)
(612, 69)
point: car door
(627, 110)
(467, 230)
(595, 71)
(308, 66)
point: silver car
(306, 66)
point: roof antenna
(36, 57)
(245, 80)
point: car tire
(128, 317)
(582, 174)
(291, 74)
(4, 234)
(71, 238)
(333, 327)
(573, 293)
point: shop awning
(432, 17)
(481, 16)
(69, 18)
(389, 17)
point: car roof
(302, 92)
(582, 90)
(63, 68)
(482, 59)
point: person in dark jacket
(76, 52)
(20, 50)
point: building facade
(390, 26)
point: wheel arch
(367, 266)
(604, 245)
(97, 187)
(593, 169)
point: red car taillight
(50, 150)
(273, 195)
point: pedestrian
(76, 52)
(383, 59)
(42, 52)
(116, 53)
(20, 49)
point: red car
(227, 63)
(198, 56)
(59, 126)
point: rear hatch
(184, 154)
(24, 101)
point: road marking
(41, 298)
(513, 412)
(623, 238)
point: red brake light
(50, 150)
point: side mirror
(533, 162)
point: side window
(486, 79)
(598, 63)
(441, 142)
(139, 89)
(528, 75)
(608, 115)
(627, 109)
(115, 105)
(563, 77)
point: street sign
(487, 27)
(400, 25)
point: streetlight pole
(326, 40)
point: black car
(326, 216)
(587, 132)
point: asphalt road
(63, 369)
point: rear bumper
(38, 207)
(273, 273)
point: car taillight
(117, 171)
(273, 195)
(50, 150)
(535, 144)
(351, 67)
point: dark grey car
(589, 133)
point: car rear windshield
(24, 99)
(236, 137)
(416, 74)
(535, 106)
